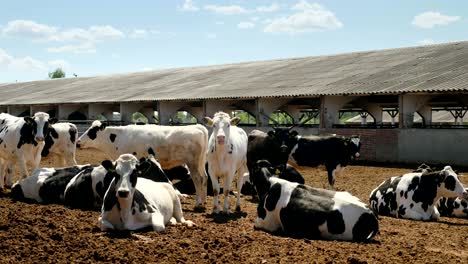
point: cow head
(150, 168)
(221, 124)
(88, 138)
(283, 139)
(36, 128)
(353, 146)
(261, 173)
(125, 172)
(450, 185)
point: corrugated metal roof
(434, 68)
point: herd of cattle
(133, 190)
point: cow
(174, 146)
(453, 207)
(414, 195)
(133, 203)
(46, 185)
(227, 150)
(283, 145)
(21, 140)
(86, 190)
(61, 142)
(299, 210)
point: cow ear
(28, 119)
(53, 120)
(271, 133)
(108, 165)
(142, 166)
(208, 121)
(293, 134)
(103, 126)
(234, 121)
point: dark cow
(453, 207)
(302, 211)
(414, 195)
(21, 140)
(133, 203)
(87, 189)
(61, 142)
(282, 145)
(46, 185)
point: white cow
(61, 142)
(21, 140)
(133, 203)
(227, 156)
(414, 195)
(172, 146)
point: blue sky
(105, 37)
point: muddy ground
(32, 233)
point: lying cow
(302, 211)
(46, 185)
(174, 146)
(61, 142)
(453, 207)
(21, 140)
(227, 149)
(282, 145)
(133, 203)
(414, 195)
(87, 189)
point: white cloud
(431, 19)
(271, 8)
(226, 10)
(245, 25)
(28, 29)
(189, 6)
(211, 35)
(28, 63)
(308, 18)
(426, 42)
(139, 33)
(86, 47)
(219, 22)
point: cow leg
(3, 175)
(37, 156)
(104, 225)
(333, 170)
(435, 216)
(23, 167)
(240, 182)
(199, 181)
(226, 190)
(10, 173)
(157, 222)
(69, 159)
(178, 214)
(215, 184)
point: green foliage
(245, 117)
(58, 73)
(183, 117)
(138, 117)
(281, 118)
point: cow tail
(202, 160)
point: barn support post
(166, 109)
(330, 107)
(266, 106)
(65, 110)
(213, 106)
(409, 104)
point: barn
(401, 92)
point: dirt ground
(32, 233)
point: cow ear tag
(277, 171)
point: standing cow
(303, 211)
(282, 145)
(61, 142)
(174, 146)
(414, 195)
(133, 203)
(227, 150)
(22, 140)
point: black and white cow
(282, 145)
(46, 185)
(302, 211)
(414, 195)
(227, 150)
(21, 140)
(174, 146)
(61, 142)
(86, 190)
(133, 203)
(453, 207)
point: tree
(58, 73)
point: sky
(90, 38)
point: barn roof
(433, 68)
